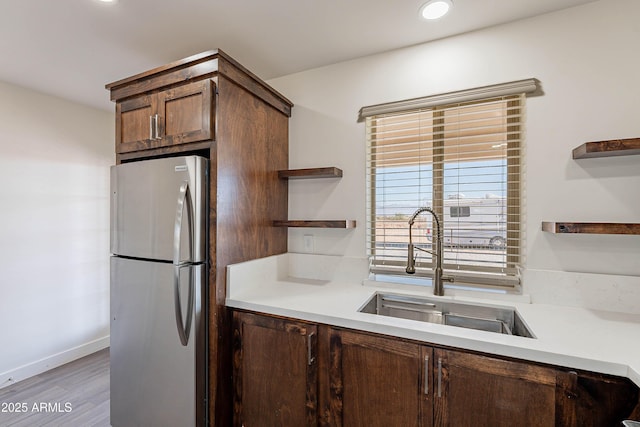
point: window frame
(509, 279)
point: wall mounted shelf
(591, 227)
(317, 223)
(613, 147)
(330, 172)
(608, 148)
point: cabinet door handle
(439, 377)
(426, 375)
(157, 131)
(310, 357)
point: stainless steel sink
(491, 318)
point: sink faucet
(438, 278)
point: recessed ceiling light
(435, 9)
(108, 1)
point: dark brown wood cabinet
(476, 390)
(594, 400)
(210, 105)
(384, 381)
(174, 116)
(376, 381)
(275, 372)
(365, 379)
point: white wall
(54, 231)
(586, 59)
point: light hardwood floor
(75, 394)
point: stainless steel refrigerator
(159, 244)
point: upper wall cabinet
(186, 105)
(174, 116)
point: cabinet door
(134, 123)
(473, 390)
(275, 372)
(378, 381)
(186, 113)
(599, 400)
(175, 116)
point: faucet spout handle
(449, 279)
(427, 251)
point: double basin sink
(490, 318)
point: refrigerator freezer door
(155, 379)
(146, 221)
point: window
(462, 159)
(460, 211)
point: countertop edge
(455, 341)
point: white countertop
(330, 290)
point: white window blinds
(463, 160)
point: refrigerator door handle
(184, 196)
(183, 328)
(114, 217)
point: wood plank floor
(75, 394)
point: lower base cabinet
(293, 373)
(480, 391)
(275, 372)
(378, 382)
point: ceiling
(72, 48)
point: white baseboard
(31, 369)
